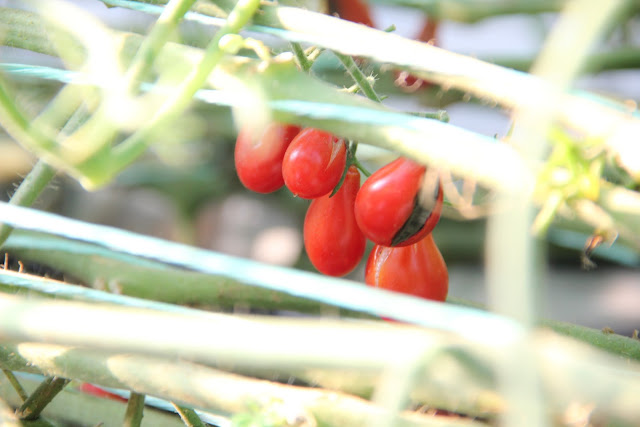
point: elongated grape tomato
(334, 243)
(417, 269)
(388, 210)
(258, 158)
(313, 164)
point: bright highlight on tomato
(333, 241)
(387, 207)
(258, 159)
(418, 270)
(313, 164)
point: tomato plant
(313, 164)
(259, 160)
(418, 269)
(333, 241)
(388, 210)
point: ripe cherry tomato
(352, 10)
(96, 391)
(418, 269)
(387, 207)
(314, 163)
(333, 241)
(258, 158)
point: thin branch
(188, 416)
(301, 57)
(41, 397)
(16, 384)
(134, 145)
(155, 40)
(358, 76)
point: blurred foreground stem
(30, 188)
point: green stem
(41, 397)
(625, 347)
(199, 385)
(16, 384)
(358, 76)
(440, 115)
(134, 145)
(28, 191)
(135, 410)
(188, 416)
(155, 40)
(361, 167)
(18, 125)
(301, 57)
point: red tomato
(259, 159)
(314, 163)
(352, 10)
(409, 82)
(418, 270)
(387, 207)
(94, 390)
(333, 241)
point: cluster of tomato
(386, 210)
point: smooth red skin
(417, 270)
(386, 200)
(334, 243)
(259, 161)
(353, 10)
(314, 163)
(96, 391)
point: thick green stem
(41, 397)
(198, 385)
(358, 76)
(135, 410)
(16, 384)
(30, 188)
(188, 416)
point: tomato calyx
(352, 160)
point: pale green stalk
(512, 261)
(134, 145)
(204, 387)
